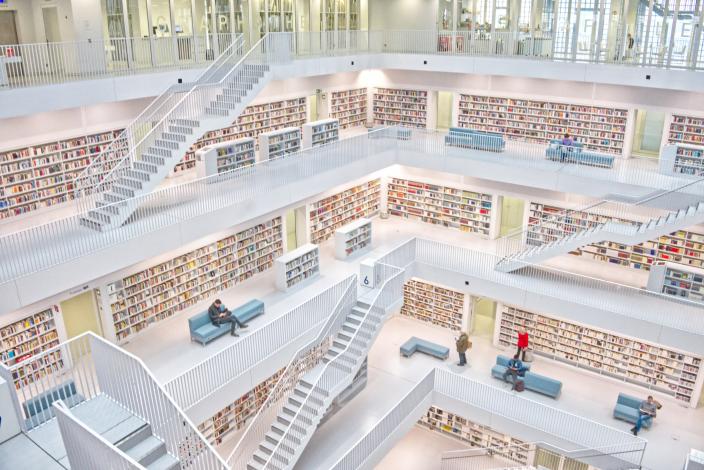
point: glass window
(501, 16)
(241, 16)
(565, 29)
(355, 14)
(223, 24)
(113, 19)
(137, 18)
(524, 16)
(161, 18)
(183, 18)
(445, 14)
(547, 17)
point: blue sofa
(420, 345)
(626, 409)
(203, 331)
(38, 410)
(532, 381)
(470, 138)
(577, 154)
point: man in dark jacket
(220, 315)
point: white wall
(87, 19)
(402, 14)
(66, 23)
(23, 17)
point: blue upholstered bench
(532, 381)
(626, 409)
(420, 345)
(577, 154)
(38, 409)
(470, 138)
(203, 331)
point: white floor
(420, 449)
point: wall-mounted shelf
(320, 132)
(279, 143)
(675, 373)
(396, 107)
(226, 156)
(297, 266)
(353, 238)
(436, 304)
(349, 107)
(463, 209)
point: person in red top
(522, 342)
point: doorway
(296, 228)
(444, 120)
(312, 108)
(512, 210)
(484, 315)
(81, 314)
(50, 16)
(8, 28)
(648, 131)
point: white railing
(213, 373)
(127, 380)
(41, 247)
(58, 62)
(87, 449)
(256, 431)
(498, 405)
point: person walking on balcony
(522, 342)
(219, 315)
(463, 344)
(647, 412)
(515, 366)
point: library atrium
(352, 234)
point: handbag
(528, 355)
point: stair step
(355, 318)
(216, 112)
(108, 207)
(123, 190)
(154, 159)
(147, 451)
(278, 430)
(186, 122)
(130, 182)
(173, 136)
(175, 128)
(138, 175)
(283, 454)
(146, 167)
(165, 462)
(103, 217)
(92, 223)
(166, 144)
(262, 458)
(286, 421)
(128, 433)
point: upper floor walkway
(43, 260)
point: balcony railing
(23, 65)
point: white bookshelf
(226, 156)
(599, 128)
(477, 435)
(320, 132)
(399, 107)
(686, 159)
(349, 107)
(682, 247)
(436, 304)
(41, 175)
(337, 210)
(686, 130)
(466, 210)
(297, 266)
(25, 338)
(153, 294)
(353, 238)
(279, 143)
(253, 121)
(675, 373)
(676, 280)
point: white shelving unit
(600, 128)
(349, 107)
(686, 159)
(477, 435)
(297, 266)
(436, 304)
(676, 280)
(320, 132)
(279, 143)
(332, 212)
(466, 210)
(41, 175)
(675, 373)
(353, 238)
(398, 107)
(226, 156)
(686, 129)
(158, 292)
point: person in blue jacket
(514, 369)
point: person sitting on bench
(647, 412)
(514, 369)
(567, 146)
(220, 315)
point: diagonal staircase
(608, 231)
(206, 106)
(315, 391)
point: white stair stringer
(142, 176)
(609, 231)
(315, 391)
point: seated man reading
(514, 369)
(647, 412)
(220, 315)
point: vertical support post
(673, 28)
(647, 31)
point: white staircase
(202, 109)
(609, 231)
(316, 390)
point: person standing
(647, 412)
(522, 342)
(462, 344)
(630, 42)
